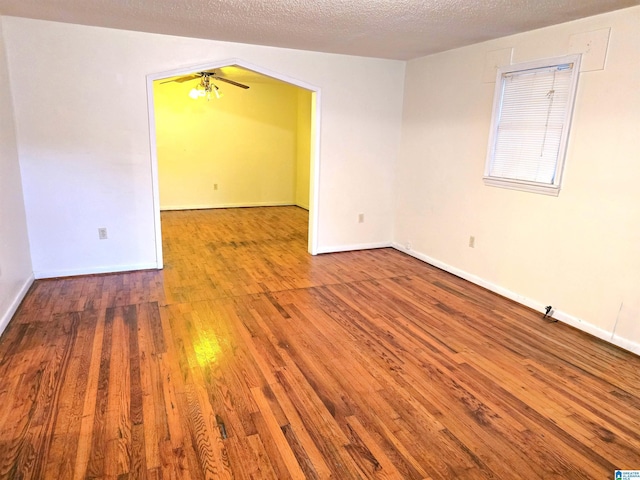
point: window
(530, 124)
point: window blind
(531, 122)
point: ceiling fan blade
(187, 78)
(182, 79)
(211, 74)
(215, 77)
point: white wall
(244, 143)
(15, 262)
(83, 136)
(579, 252)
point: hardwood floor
(247, 358)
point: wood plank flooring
(247, 358)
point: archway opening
(217, 144)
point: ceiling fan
(206, 86)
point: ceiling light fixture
(204, 88)
(195, 93)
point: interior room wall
(303, 148)
(84, 148)
(16, 274)
(243, 143)
(578, 252)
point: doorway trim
(314, 169)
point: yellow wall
(303, 150)
(245, 143)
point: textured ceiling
(400, 29)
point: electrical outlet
(472, 241)
(408, 245)
(361, 218)
(102, 233)
(215, 186)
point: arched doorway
(314, 164)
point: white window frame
(503, 73)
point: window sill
(544, 189)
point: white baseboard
(626, 344)
(348, 248)
(6, 317)
(597, 332)
(94, 270)
(225, 205)
(564, 317)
